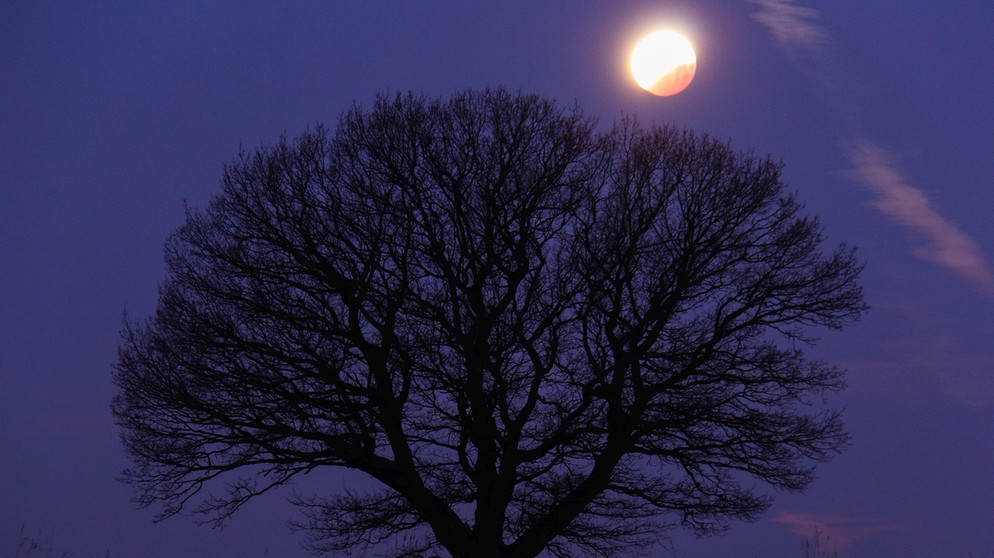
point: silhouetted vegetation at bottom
(816, 546)
(36, 545)
(536, 337)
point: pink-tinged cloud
(835, 533)
(790, 24)
(944, 243)
(973, 387)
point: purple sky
(112, 117)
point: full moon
(664, 63)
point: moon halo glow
(664, 63)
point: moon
(664, 63)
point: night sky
(113, 117)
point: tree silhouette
(536, 337)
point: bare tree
(536, 337)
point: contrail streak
(795, 29)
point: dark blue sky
(112, 116)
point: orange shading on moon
(673, 81)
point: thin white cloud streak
(945, 244)
(790, 24)
(795, 29)
(835, 532)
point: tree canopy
(535, 336)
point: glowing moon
(664, 63)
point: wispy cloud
(835, 533)
(944, 243)
(791, 25)
(796, 29)
(972, 387)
